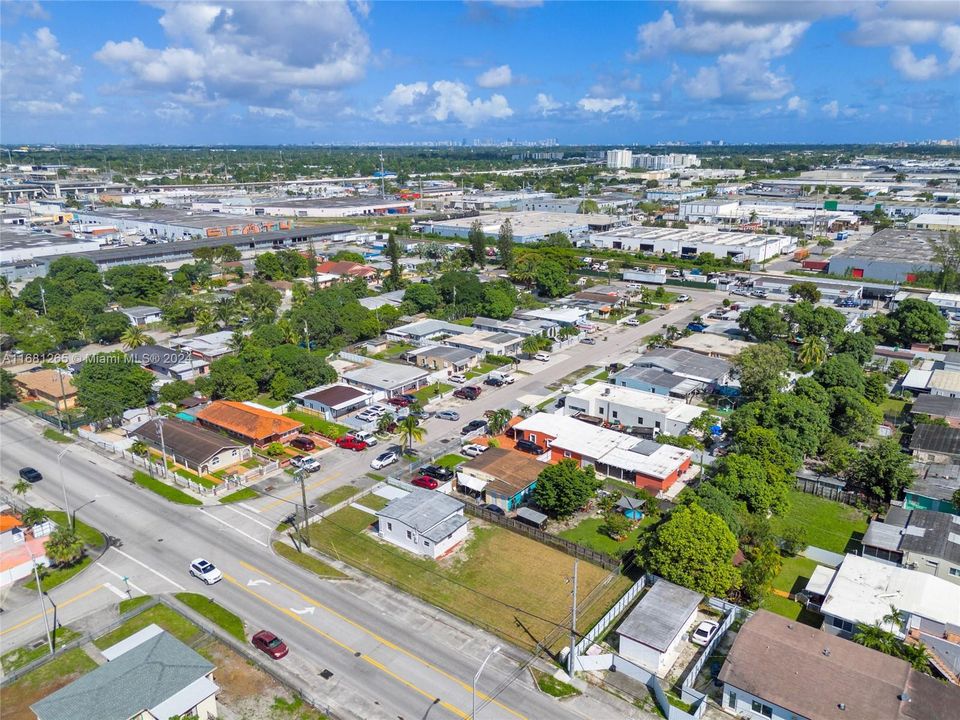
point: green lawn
(338, 495)
(52, 577)
(496, 569)
(251, 463)
(17, 697)
(125, 606)
(317, 424)
(425, 395)
(187, 475)
(89, 534)
(553, 687)
(166, 617)
(602, 375)
(794, 574)
(481, 369)
(374, 502)
(21, 656)
(163, 490)
(450, 461)
(466, 321)
(393, 350)
(240, 495)
(36, 405)
(215, 613)
(790, 609)
(56, 436)
(307, 562)
(588, 534)
(830, 525)
(267, 401)
(893, 406)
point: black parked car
(438, 473)
(473, 426)
(30, 475)
(529, 447)
(494, 382)
(496, 509)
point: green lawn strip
(794, 574)
(553, 687)
(187, 475)
(162, 615)
(602, 375)
(675, 700)
(267, 401)
(163, 490)
(466, 321)
(893, 406)
(240, 495)
(588, 534)
(790, 609)
(307, 562)
(830, 525)
(546, 403)
(215, 613)
(15, 659)
(496, 567)
(338, 495)
(251, 463)
(36, 405)
(56, 436)
(394, 350)
(314, 423)
(374, 502)
(450, 461)
(89, 534)
(425, 395)
(126, 606)
(52, 577)
(376, 476)
(17, 697)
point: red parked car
(399, 401)
(425, 481)
(348, 442)
(270, 644)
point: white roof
(917, 379)
(385, 375)
(863, 590)
(186, 699)
(669, 407)
(558, 314)
(945, 380)
(936, 219)
(710, 343)
(129, 643)
(820, 579)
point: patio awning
(471, 482)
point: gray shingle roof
(686, 362)
(937, 406)
(446, 528)
(660, 615)
(936, 439)
(140, 679)
(185, 439)
(926, 532)
(421, 509)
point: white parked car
(473, 450)
(365, 436)
(683, 298)
(704, 633)
(378, 410)
(458, 378)
(206, 571)
(632, 322)
(542, 357)
(384, 459)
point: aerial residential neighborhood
(492, 359)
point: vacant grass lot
(830, 525)
(306, 561)
(588, 534)
(17, 698)
(317, 424)
(450, 461)
(505, 582)
(425, 395)
(21, 656)
(338, 495)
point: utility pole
(43, 607)
(43, 300)
(63, 397)
(163, 446)
(306, 518)
(572, 655)
(66, 503)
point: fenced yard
(507, 583)
(830, 525)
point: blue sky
(580, 72)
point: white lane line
(111, 588)
(147, 567)
(236, 529)
(118, 576)
(245, 506)
(248, 517)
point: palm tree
(5, 289)
(530, 345)
(33, 516)
(20, 487)
(498, 421)
(385, 421)
(223, 311)
(917, 656)
(812, 353)
(205, 320)
(134, 337)
(411, 430)
(655, 340)
(876, 638)
(237, 340)
(64, 546)
(139, 448)
(290, 335)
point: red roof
(249, 422)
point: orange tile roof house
(345, 267)
(259, 427)
(46, 385)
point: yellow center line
(375, 663)
(382, 640)
(47, 612)
(295, 494)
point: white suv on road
(206, 571)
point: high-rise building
(617, 159)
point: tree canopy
(565, 487)
(108, 384)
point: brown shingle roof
(247, 421)
(811, 673)
(335, 395)
(514, 471)
(187, 440)
(47, 382)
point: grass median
(15, 659)
(306, 561)
(215, 613)
(165, 491)
(240, 495)
(90, 535)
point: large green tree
(110, 383)
(136, 283)
(917, 321)
(421, 297)
(765, 323)
(695, 549)
(841, 370)
(564, 488)
(884, 470)
(551, 279)
(505, 245)
(8, 393)
(762, 369)
(477, 241)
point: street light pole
(53, 633)
(63, 485)
(572, 655)
(43, 607)
(476, 678)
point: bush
(793, 539)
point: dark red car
(471, 392)
(399, 401)
(425, 481)
(270, 644)
(348, 442)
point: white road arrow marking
(251, 583)
(306, 611)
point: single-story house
(643, 463)
(655, 380)
(51, 385)
(933, 488)
(619, 405)
(560, 314)
(922, 540)
(386, 378)
(442, 357)
(781, 669)
(21, 547)
(424, 522)
(248, 424)
(207, 347)
(347, 270)
(201, 450)
(423, 332)
(710, 371)
(333, 400)
(393, 299)
(712, 345)
(938, 406)
(936, 443)
(149, 676)
(141, 315)
(169, 363)
(518, 326)
(501, 477)
(652, 634)
(944, 382)
(488, 343)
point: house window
(844, 625)
(614, 414)
(731, 699)
(759, 707)
(426, 543)
(409, 535)
(532, 437)
(955, 572)
(389, 526)
(566, 454)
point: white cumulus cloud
(831, 109)
(452, 101)
(797, 105)
(601, 105)
(401, 98)
(38, 77)
(495, 77)
(912, 67)
(545, 104)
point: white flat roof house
(388, 378)
(630, 408)
(143, 314)
(652, 633)
(424, 522)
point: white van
(506, 378)
(458, 378)
(542, 357)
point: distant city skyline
(386, 73)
